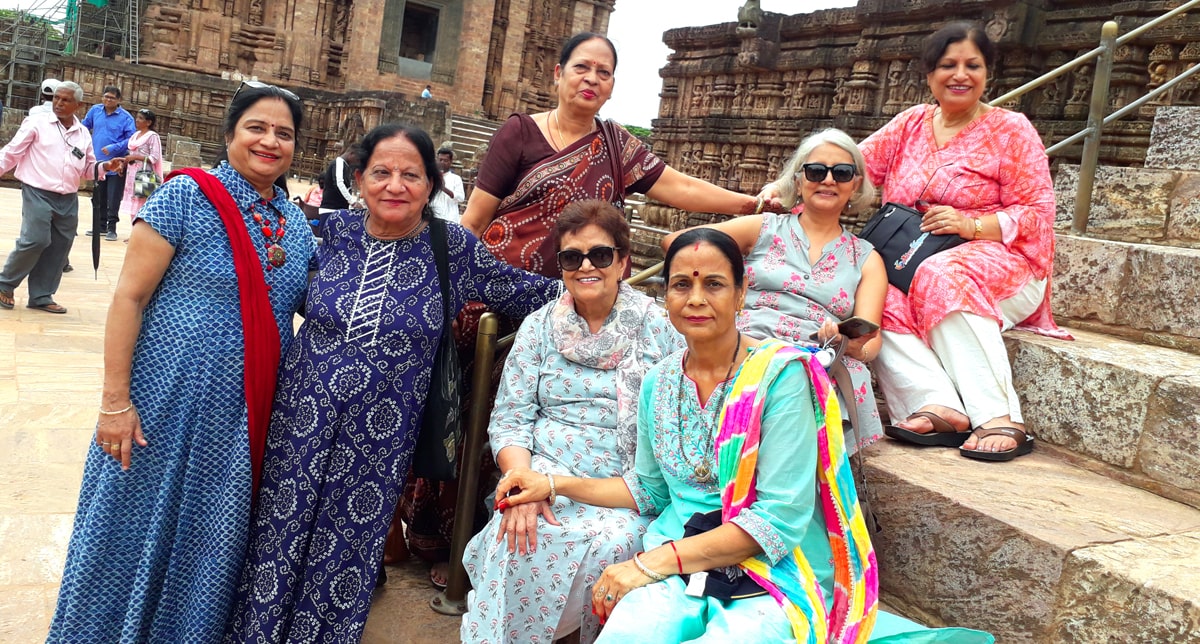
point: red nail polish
(502, 505)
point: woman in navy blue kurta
(351, 395)
(157, 549)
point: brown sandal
(49, 307)
(6, 300)
(1024, 444)
(943, 435)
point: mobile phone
(77, 153)
(856, 327)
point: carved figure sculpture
(750, 16)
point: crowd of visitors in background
(655, 474)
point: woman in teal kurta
(745, 480)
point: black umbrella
(95, 236)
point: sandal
(49, 307)
(6, 300)
(1024, 444)
(943, 435)
(439, 574)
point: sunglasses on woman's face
(842, 172)
(600, 257)
(262, 85)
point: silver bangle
(553, 492)
(115, 412)
(637, 561)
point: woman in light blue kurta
(567, 404)
(157, 549)
(805, 271)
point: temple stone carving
(752, 89)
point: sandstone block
(1163, 290)
(1145, 590)
(1184, 224)
(1089, 278)
(1170, 447)
(1091, 395)
(1173, 142)
(1128, 204)
(988, 545)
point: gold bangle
(758, 205)
(553, 492)
(978, 228)
(115, 412)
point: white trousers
(964, 366)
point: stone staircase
(469, 137)
(1096, 536)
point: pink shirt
(41, 154)
(996, 165)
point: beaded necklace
(701, 471)
(276, 256)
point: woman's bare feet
(996, 442)
(923, 425)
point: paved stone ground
(50, 377)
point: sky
(636, 28)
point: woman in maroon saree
(535, 166)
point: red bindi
(696, 247)
(695, 273)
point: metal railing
(1096, 120)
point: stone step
(1143, 292)
(1035, 551)
(479, 123)
(1126, 410)
(1141, 205)
(1173, 142)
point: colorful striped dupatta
(792, 582)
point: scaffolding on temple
(28, 37)
(31, 36)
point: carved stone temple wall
(355, 63)
(737, 98)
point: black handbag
(895, 232)
(726, 583)
(436, 454)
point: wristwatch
(978, 228)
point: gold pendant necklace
(701, 471)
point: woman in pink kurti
(144, 148)
(984, 172)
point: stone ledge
(1143, 590)
(994, 546)
(1145, 287)
(1128, 204)
(1173, 142)
(1129, 405)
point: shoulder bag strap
(441, 252)
(261, 335)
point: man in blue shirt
(111, 128)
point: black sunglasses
(599, 256)
(262, 85)
(842, 172)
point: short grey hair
(785, 185)
(74, 87)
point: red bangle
(678, 561)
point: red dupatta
(259, 330)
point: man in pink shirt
(51, 153)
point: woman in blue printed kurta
(157, 550)
(351, 394)
(567, 404)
